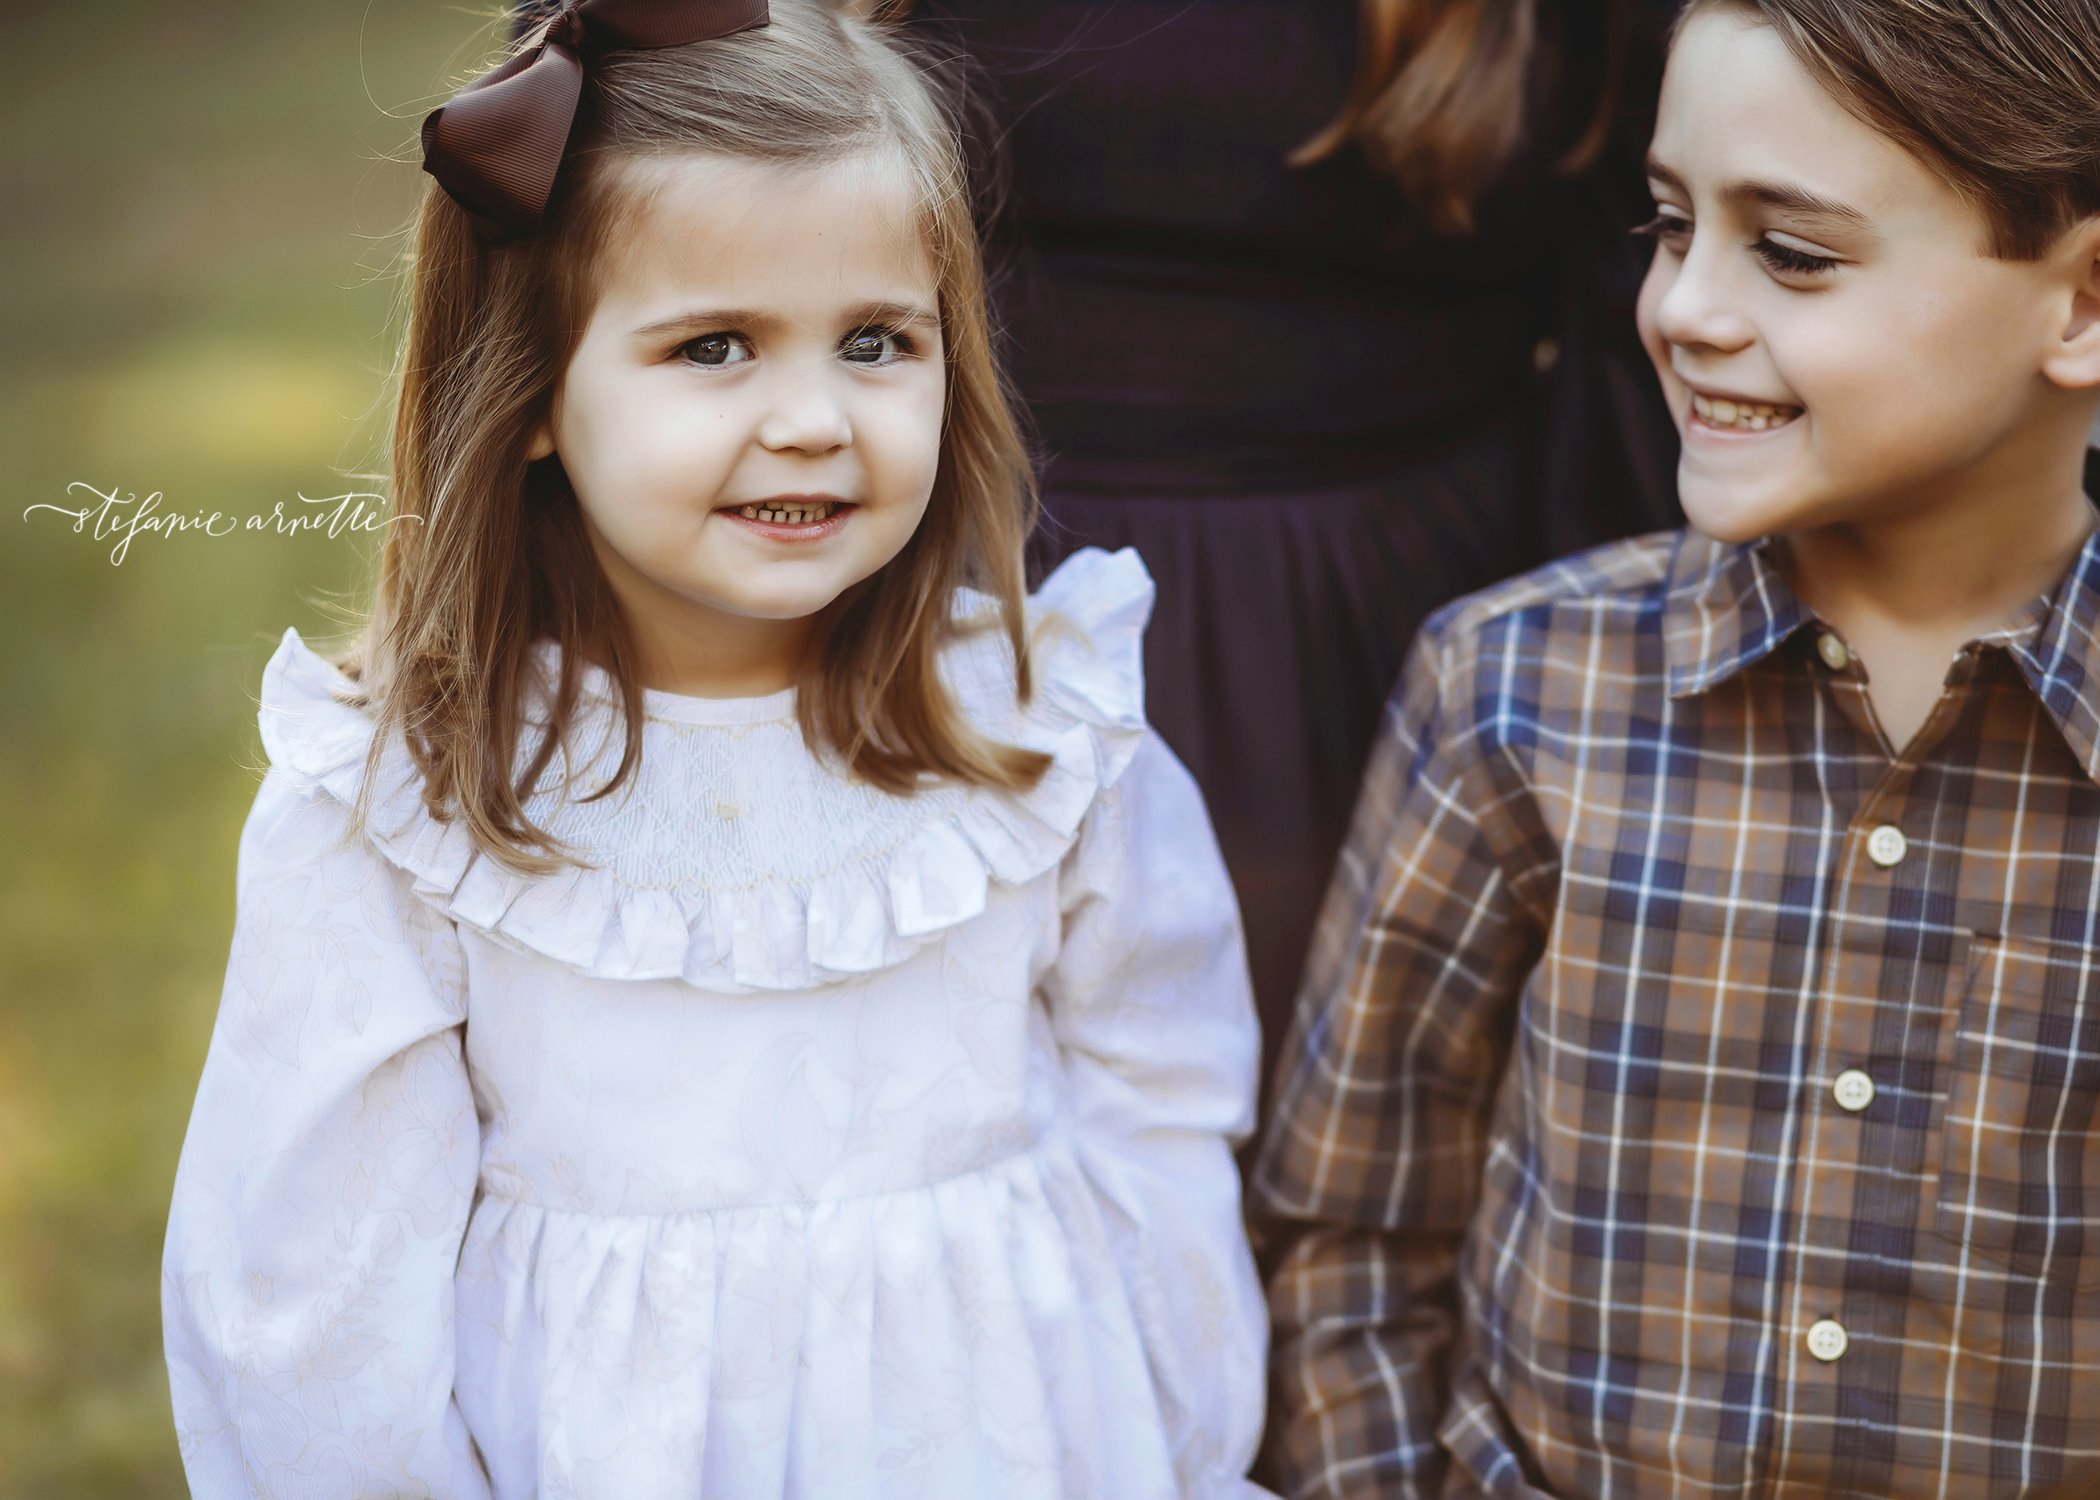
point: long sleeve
(1371, 1165)
(324, 1184)
(1154, 1015)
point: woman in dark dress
(1315, 406)
(1318, 403)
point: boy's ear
(2073, 361)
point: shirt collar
(1728, 607)
(2060, 658)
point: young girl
(718, 1007)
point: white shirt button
(726, 810)
(1854, 1090)
(1827, 1340)
(1886, 845)
(1833, 652)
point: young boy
(1694, 1088)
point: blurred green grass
(203, 210)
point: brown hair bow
(496, 146)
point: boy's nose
(1700, 308)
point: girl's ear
(542, 443)
(2073, 360)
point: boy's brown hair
(498, 560)
(2001, 97)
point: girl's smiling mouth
(793, 518)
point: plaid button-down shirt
(1691, 1093)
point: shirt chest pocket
(2019, 1181)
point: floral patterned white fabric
(815, 1143)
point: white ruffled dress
(820, 1142)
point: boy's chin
(1737, 513)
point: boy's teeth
(1747, 416)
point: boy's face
(1834, 341)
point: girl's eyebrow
(1785, 196)
(704, 318)
(701, 319)
(893, 314)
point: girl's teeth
(1744, 416)
(786, 515)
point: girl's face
(752, 419)
(1834, 341)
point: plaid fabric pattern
(1691, 1094)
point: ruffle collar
(869, 911)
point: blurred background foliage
(204, 204)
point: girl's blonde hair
(499, 558)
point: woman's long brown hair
(498, 559)
(1438, 99)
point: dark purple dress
(1314, 424)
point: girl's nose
(1701, 307)
(805, 416)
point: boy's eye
(1666, 227)
(875, 346)
(714, 350)
(1787, 260)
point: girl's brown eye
(716, 349)
(875, 346)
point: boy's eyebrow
(1797, 200)
(1772, 195)
(1654, 168)
(893, 314)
